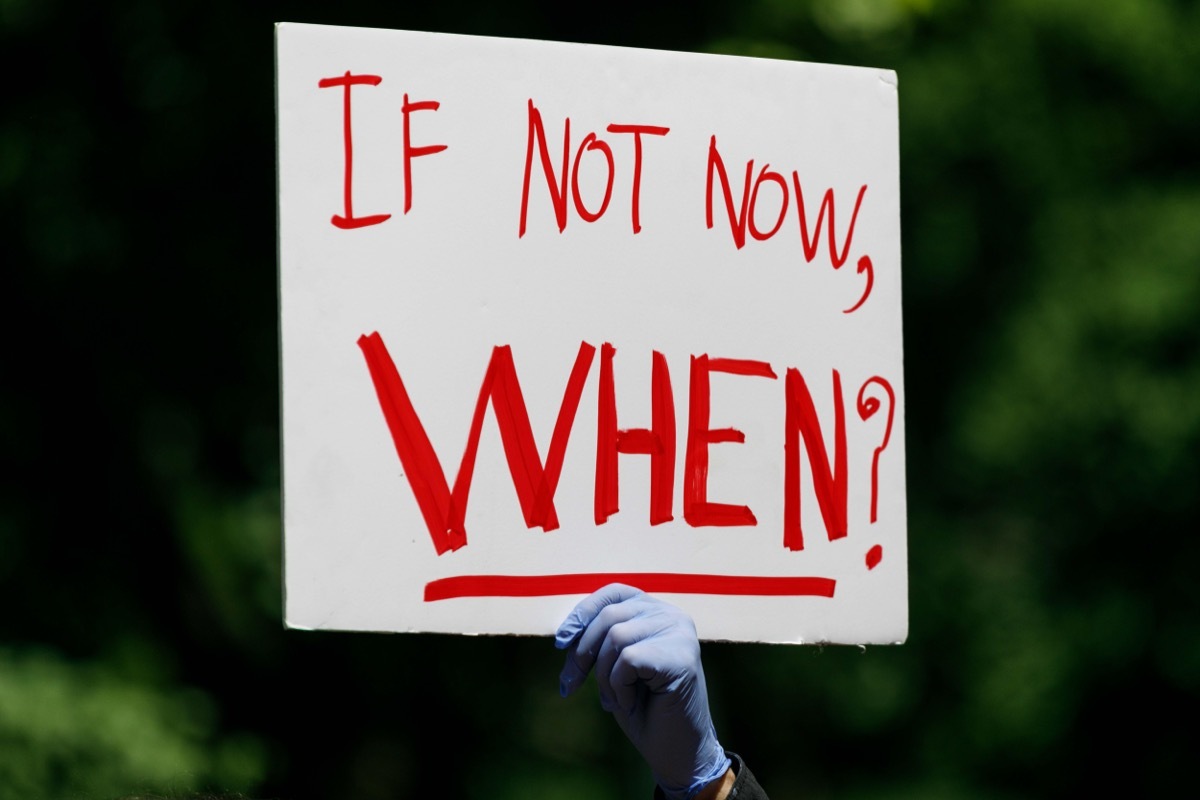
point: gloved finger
(640, 667)
(573, 673)
(581, 655)
(620, 636)
(586, 610)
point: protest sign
(555, 315)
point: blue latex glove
(647, 661)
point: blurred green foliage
(1051, 216)
(87, 730)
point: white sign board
(557, 315)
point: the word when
(444, 507)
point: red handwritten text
(557, 182)
(411, 152)
(743, 216)
(444, 508)
(347, 81)
(348, 221)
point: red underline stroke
(654, 582)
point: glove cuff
(712, 762)
(715, 770)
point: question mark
(867, 406)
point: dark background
(1051, 237)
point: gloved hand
(647, 661)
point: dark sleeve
(745, 787)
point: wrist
(718, 789)
(707, 776)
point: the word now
(743, 217)
(535, 480)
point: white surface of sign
(555, 315)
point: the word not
(348, 220)
(569, 171)
(444, 507)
